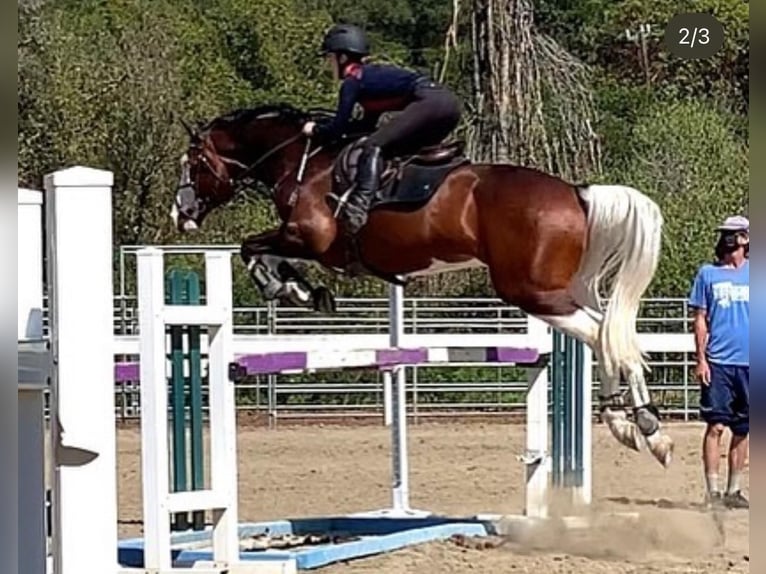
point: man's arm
(698, 300)
(700, 334)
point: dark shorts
(727, 399)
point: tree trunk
(532, 101)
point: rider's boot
(367, 182)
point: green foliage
(688, 158)
(273, 47)
(117, 78)
(597, 31)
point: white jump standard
(75, 364)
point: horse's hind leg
(647, 415)
(611, 400)
(584, 324)
(613, 409)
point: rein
(241, 182)
(210, 157)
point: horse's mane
(283, 110)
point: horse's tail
(624, 237)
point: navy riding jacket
(376, 88)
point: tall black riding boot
(367, 182)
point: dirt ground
(470, 468)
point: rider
(429, 111)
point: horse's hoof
(622, 429)
(272, 290)
(661, 446)
(324, 300)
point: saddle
(407, 182)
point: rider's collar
(353, 69)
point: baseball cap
(734, 223)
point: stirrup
(356, 218)
(361, 200)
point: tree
(688, 158)
(532, 101)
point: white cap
(734, 223)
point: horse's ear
(193, 132)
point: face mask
(728, 243)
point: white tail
(624, 238)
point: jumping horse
(549, 246)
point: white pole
(388, 385)
(154, 409)
(79, 241)
(536, 455)
(223, 419)
(586, 494)
(399, 456)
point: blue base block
(372, 535)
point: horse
(550, 246)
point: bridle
(188, 201)
(242, 180)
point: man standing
(721, 298)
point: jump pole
(535, 457)
(30, 265)
(571, 444)
(558, 456)
(83, 428)
(396, 381)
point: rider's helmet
(345, 38)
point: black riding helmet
(345, 38)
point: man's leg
(711, 456)
(740, 439)
(716, 411)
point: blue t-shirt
(724, 293)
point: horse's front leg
(265, 256)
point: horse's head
(231, 152)
(205, 181)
